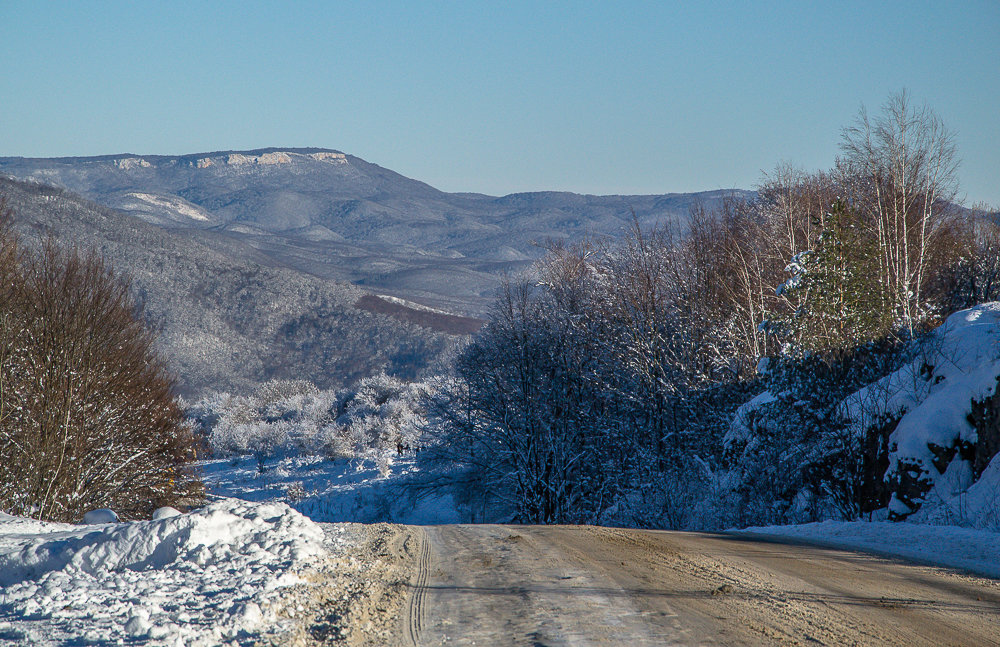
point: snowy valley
(257, 563)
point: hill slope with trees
(336, 216)
(230, 318)
(780, 361)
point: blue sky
(594, 97)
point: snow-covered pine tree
(838, 303)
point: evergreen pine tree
(838, 302)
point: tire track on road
(415, 611)
(552, 585)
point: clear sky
(498, 97)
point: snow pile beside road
(207, 577)
(964, 548)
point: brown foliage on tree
(88, 417)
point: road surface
(549, 586)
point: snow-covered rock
(931, 430)
(741, 430)
(131, 163)
(165, 513)
(178, 208)
(936, 453)
(327, 156)
(276, 157)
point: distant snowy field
(223, 574)
(328, 491)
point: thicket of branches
(606, 384)
(87, 415)
(587, 395)
(379, 418)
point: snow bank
(205, 577)
(932, 397)
(972, 550)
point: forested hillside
(228, 317)
(825, 347)
(336, 216)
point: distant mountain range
(336, 216)
(304, 263)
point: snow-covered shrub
(379, 418)
(278, 417)
(599, 378)
(793, 457)
(262, 439)
(331, 440)
(89, 419)
(295, 492)
(385, 413)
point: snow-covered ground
(228, 573)
(217, 575)
(330, 491)
(977, 551)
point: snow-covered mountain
(336, 216)
(228, 316)
(304, 263)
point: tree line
(607, 383)
(690, 375)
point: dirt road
(535, 586)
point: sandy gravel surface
(513, 585)
(358, 597)
(576, 586)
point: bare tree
(900, 169)
(973, 276)
(533, 431)
(87, 414)
(734, 258)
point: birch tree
(900, 171)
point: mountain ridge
(337, 216)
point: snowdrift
(920, 443)
(205, 577)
